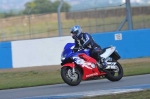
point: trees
(44, 6)
(9, 14)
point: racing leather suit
(86, 41)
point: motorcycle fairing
(89, 66)
(108, 52)
(72, 65)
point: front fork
(73, 70)
(72, 65)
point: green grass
(47, 76)
(136, 68)
(28, 78)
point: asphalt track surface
(61, 90)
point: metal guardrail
(95, 20)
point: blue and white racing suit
(86, 41)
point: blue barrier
(5, 55)
(132, 44)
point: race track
(86, 88)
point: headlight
(62, 58)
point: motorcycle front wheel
(72, 79)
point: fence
(91, 20)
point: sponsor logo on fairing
(83, 63)
(94, 74)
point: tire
(112, 76)
(69, 78)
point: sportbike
(78, 66)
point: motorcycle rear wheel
(70, 78)
(113, 76)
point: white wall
(38, 52)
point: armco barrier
(47, 51)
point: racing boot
(99, 65)
(104, 64)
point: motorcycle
(78, 66)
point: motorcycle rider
(86, 41)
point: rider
(85, 40)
